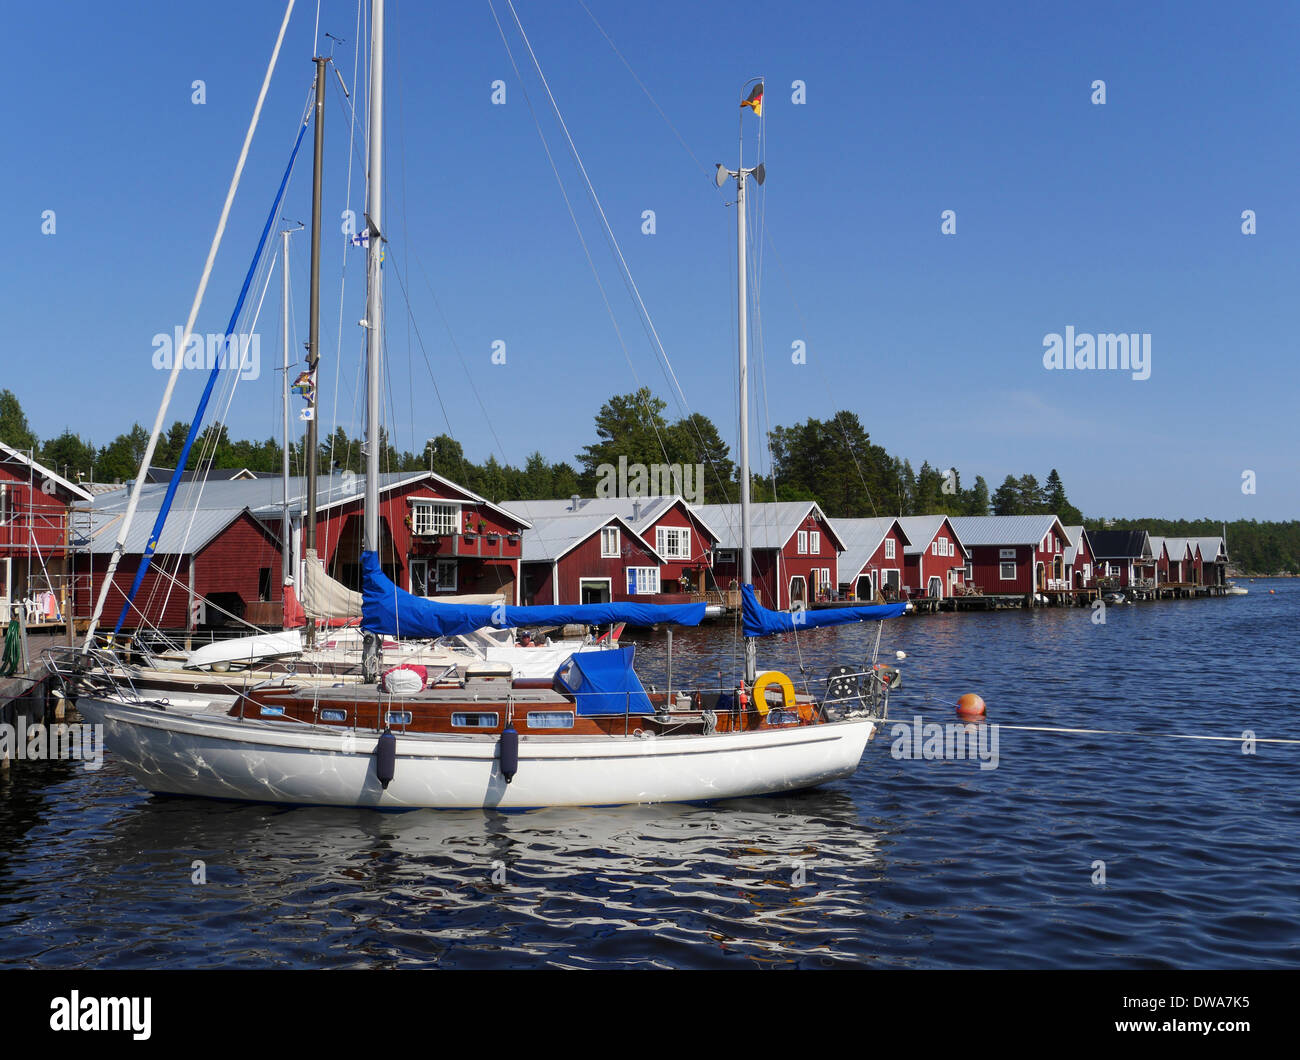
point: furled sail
(391, 611)
(323, 596)
(761, 622)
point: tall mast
(742, 327)
(374, 307)
(285, 530)
(313, 336)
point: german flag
(754, 101)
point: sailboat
(595, 736)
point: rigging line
(133, 502)
(219, 421)
(1148, 735)
(641, 84)
(577, 226)
(343, 272)
(406, 236)
(618, 331)
(822, 376)
(647, 322)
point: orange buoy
(970, 706)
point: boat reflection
(771, 880)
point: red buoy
(970, 706)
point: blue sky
(1122, 217)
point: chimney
(573, 502)
(636, 510)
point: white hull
(210, 755)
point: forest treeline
(831, 461)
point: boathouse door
(935, 588)
(798, 592)
(594, 590)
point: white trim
(635, 587)
(30, 462)
(607, 582)
(618, 542)
(411, 564)
(440, 563)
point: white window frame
(970, 572)
(441, 565)
(1006, 553)
(815, 542)
(642, 581)
(423, 564)
(934, 548)
(1002, 570)
(889, 548)
(608, 533)
(801, 545)
(673, 542)
(724, 557)
(432, 517)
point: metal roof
(1119, 544)
(548, 538)
(264, 496)
(1073, 538)
(1178, 547)
(641, 513)
(920, 530)
(185, 532)
(771, 524)
(1003, 529)
(1210, 548)
(861, 539)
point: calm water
(910, 863)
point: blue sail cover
(388, 610)
(603, 682)
(760, 622)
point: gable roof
(1210, 548)
(22, 458)
(187, 534)
(1073, 539)
(771, 524)
(640, 513)
(1004, 529)
(861, 539)
(264, 496)
(550, 538)
(1178, 547)
(920, 530)
(1119, 544)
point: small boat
(1234, 589)
(1114, 598)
